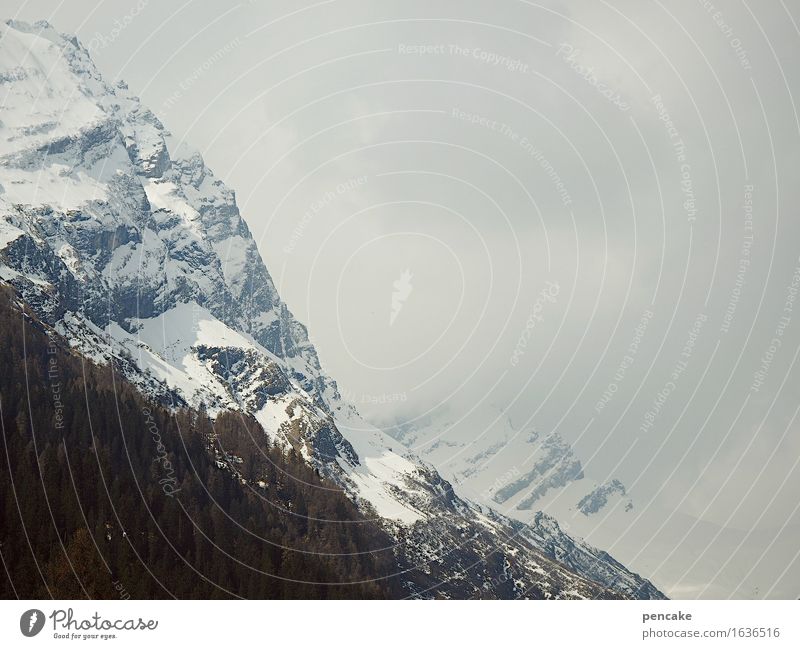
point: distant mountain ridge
(502, 466)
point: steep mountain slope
(86, 511)
(130, 248)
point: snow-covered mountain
(128, 246)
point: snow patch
(8, 234)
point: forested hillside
(106, 495)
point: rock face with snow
(132, 249)
(555, 467)
(598, 498)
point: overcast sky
(417, 173)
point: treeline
(104, 495)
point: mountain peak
(52, 89)
(43, 29)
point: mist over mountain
(124, 252)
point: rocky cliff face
(130, 247)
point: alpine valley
(129, 267)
